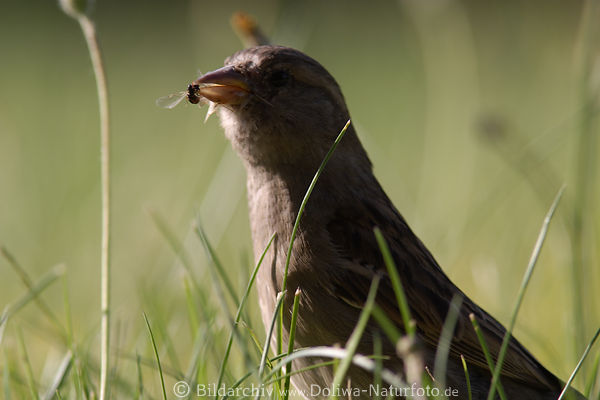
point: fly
(172, 100)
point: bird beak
(223, 86)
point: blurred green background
(471, 112)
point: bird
(282, 110)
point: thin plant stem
(441, 355)
(386, 324)
(263, 358)
(28, 369)
(26, 279)
(33, 293)
(378, 353)
(579, 364)
(177, 247)
(467, 377)
(160, 371)
(140, 380)
(311, 367)
(532, 262)
(59, 377)
(486, 352)
(354, 339)
(592, 378)
(297, 223)
(89, 32)
(288, 368)
(409, 327)
(212, 257)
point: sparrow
(281, 110)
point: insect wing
(171, 100)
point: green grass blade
(389, 328)
(378, 353)
(195, 359)
(441, 354)
(160, 372)
(167, 342)
(140, 378)
(299, 216)
(68, 316)
(151, 363)
(6, 378)
(28, 369)
(532, 262)
(396, 283)
(3, 319)
(38, 288)
(212, 255)
(467, 377)
(191, 307)
(263, 359)
(241, 308)
(486, 352)
(357, 333)
(579, 364)
(305, 200)
(239, 382)
(59, 377)
(26, 279)
(255, 340)
(592, 378)
(288, 368)
(176, 246)
(299, 371)
(216, 270)
(76, 362)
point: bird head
(277, 105)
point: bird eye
(279, 78)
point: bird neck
(275, 195)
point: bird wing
(428, 290)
